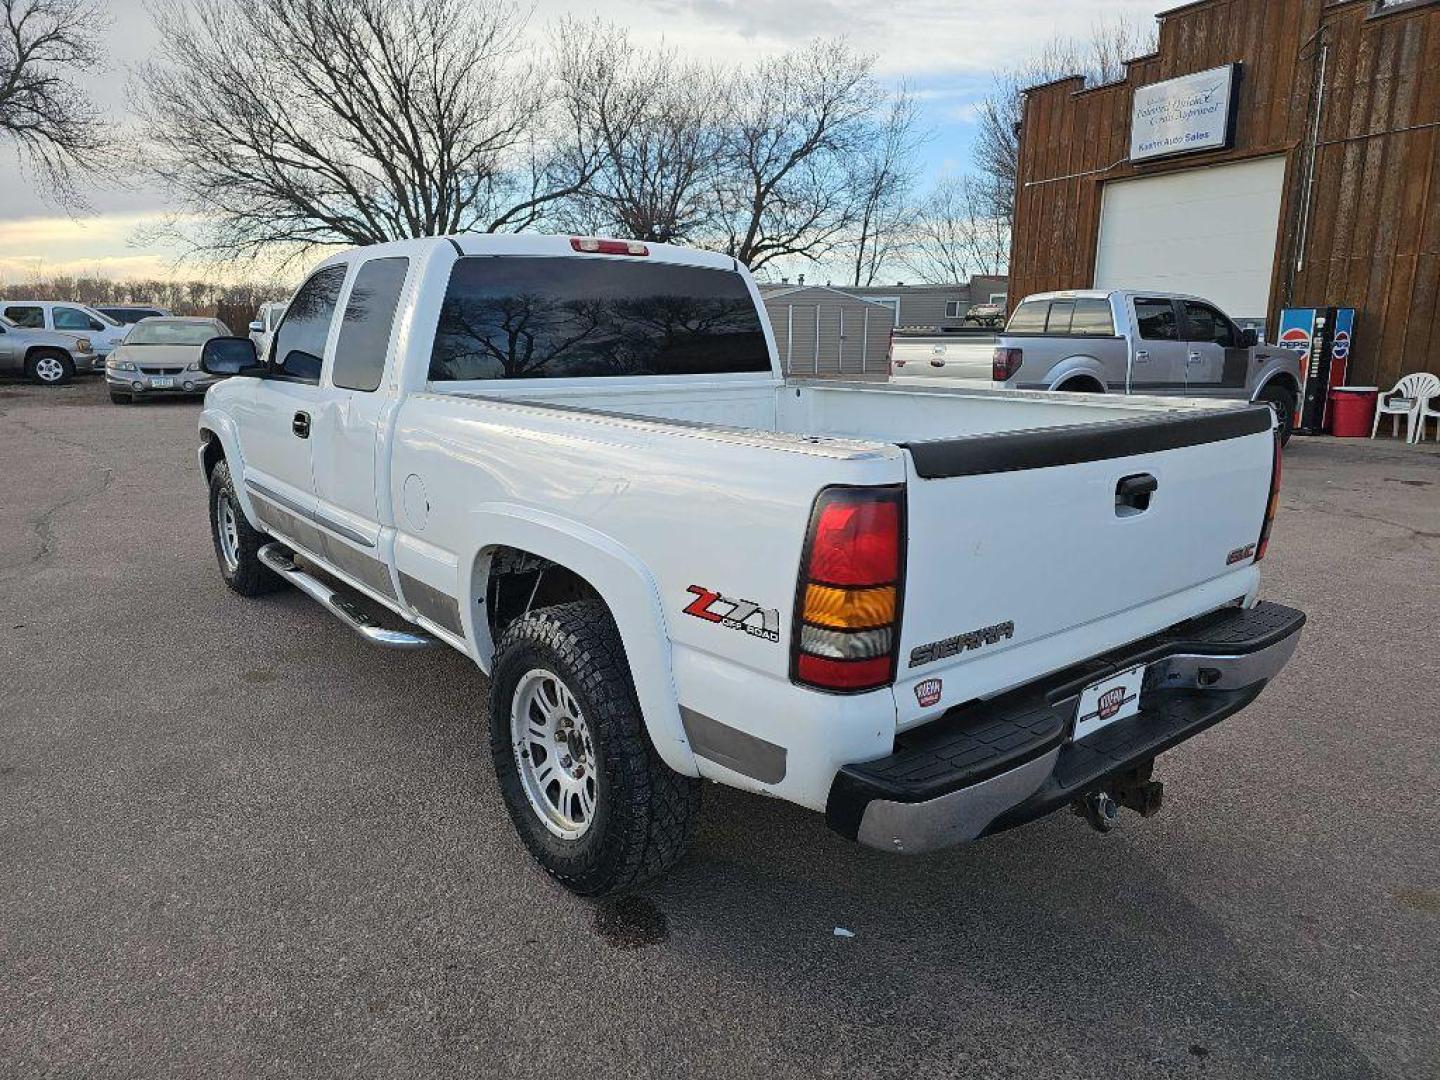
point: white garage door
(1208, 231)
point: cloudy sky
(944, 50)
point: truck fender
(1277, 373)
(623, 582)
(222, 427)
(1073, 366)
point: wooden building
(1269, 154)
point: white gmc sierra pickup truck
(929, 613)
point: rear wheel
(49, 367)
(584, 786)
(237, 544)
(1282, 400)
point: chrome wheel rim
(554, 754)
(227, 527)
(48, 369)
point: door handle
(1142, 355)
(1194, 356)
(300, 425)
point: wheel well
(1289, 384)
(45, 350)
(1082, 384)
(213, 453)
(520, 581)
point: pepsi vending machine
(1321, 338)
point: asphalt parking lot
(236, 841)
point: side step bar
(278, 559)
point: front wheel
(50, 368)
(237, 544)
(583, 785)
(1282, 401)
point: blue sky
(945, 51)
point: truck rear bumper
(992, 765)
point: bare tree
(956, 234)
(795, 123)
(55, 126)
(652, 119)
(882, 184)
(296, 123)
(1099, 59)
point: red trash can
(1352, 411)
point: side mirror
(229, 356)
(257, 327)
(1249, 339)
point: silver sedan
(162, 356)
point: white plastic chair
(1406, 400)
(1429, 410)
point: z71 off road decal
(975, 639)
(734, 614)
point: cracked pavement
(234, 841)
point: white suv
(68, 318)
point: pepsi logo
(1295, 338)
(1341, 348)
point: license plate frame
(1108, 701)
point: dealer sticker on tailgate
(1109, 700)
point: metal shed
(826, 332)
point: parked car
(45, 356)
(1133, 342)
(985, 315)
(929, 614)
(162, 356)
(130, 314)
(70, 318)
(262, 329)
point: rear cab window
(1079, 317)
(549, 317)
(1029, 318)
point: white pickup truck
(929, 613)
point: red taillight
(590, 245)
(1272, 505)
(1006, 363)
(847, 607)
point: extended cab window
(1092, 318)
(299, 349)
(31, 318)
(1156, 319)
(1207, 324)
(1029, 317)
(365, 331)
(565, 318)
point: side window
(1029, 317)
(1207, 324)
(952, 309)
(31, 318)
(1059, 320)
(369, 317)
(1093, 318)
(69, 318)
(299, 348)
(1156, 319)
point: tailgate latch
(1132, 494)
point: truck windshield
(565, 318)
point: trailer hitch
(1133, 790)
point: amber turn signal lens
(849, 609)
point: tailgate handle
(1132, 494)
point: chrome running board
(347, 611)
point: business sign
(1181, 116)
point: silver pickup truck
(1130, 342)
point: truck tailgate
(1030, 551)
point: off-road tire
(48, 357)
(645, 811)
(249, 576)
(1282, 400)
(121, 399)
